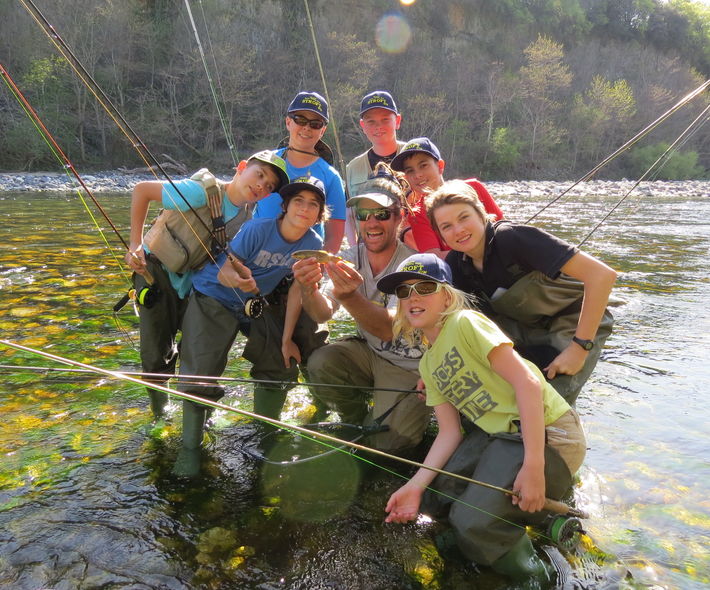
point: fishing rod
(341, 161)
(64, 160)
(550, 505)
(254, 306)
(220, 109)
(663, 156)
(681, 103)
(211, 378)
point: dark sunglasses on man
(379, 213)
(302, 121)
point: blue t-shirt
(195, 194)
(260, 246)
(270, 207)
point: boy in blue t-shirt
(254, 178)
(259, 258)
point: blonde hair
(454, 192)
(458, 300)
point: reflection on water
(86, 495)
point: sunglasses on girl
(423, 288)
(380, 213)
(302, 121)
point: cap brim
(379, 198)
(389, 283)
(294, 187)
(397, 162)
(378, 106)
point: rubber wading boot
(522, 563)
(158, 401)
(187, 463)
(269, 401)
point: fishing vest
(184, 240)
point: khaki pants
(352, 362)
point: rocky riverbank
(116, 182)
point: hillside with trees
(508, 89)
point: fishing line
(123, 125)
(664, 157)
(325, 89)
(66, 164)
(681, 103)
(210, 378)
(220, 109)
(550, 505)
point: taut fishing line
(550, 505)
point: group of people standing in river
(499, 324)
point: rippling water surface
(86, 495)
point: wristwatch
(585, 344)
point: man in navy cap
(379, 120)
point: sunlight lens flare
(393, 33)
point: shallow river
(87, 499)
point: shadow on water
(87, 499)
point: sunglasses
(423, 288)
(302, 121)
(380, 213)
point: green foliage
(679, 166)
(538, 88)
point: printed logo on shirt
(462, 386)
(265, 259)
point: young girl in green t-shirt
(519, 432)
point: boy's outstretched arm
(143, 193)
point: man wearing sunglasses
(306, 123)
(371, 363)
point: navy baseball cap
(417, 266)
(423, 145)
(379, 99)
(310, 183)
(309, 101)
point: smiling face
(378, 235)
(380, 127)
(423, 173)
(304, 138)
(462, 228)
(253, 181)
(303, 209)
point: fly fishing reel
(565, 532)
(147, 297)
(254, 307)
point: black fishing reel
(254, 307)
(147, 297)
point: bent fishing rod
(645, 131)
(254, 305)
(665, 155)
(550, 505)
(62, 157)
(218, 105)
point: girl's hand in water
(403, 505)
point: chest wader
(540, 316)
(181, 241)
(487, 527)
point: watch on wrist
(585, 344)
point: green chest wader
(539, 313)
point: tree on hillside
(544, 82)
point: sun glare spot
(393, 33)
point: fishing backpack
(184, 240)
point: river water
(87, 499)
